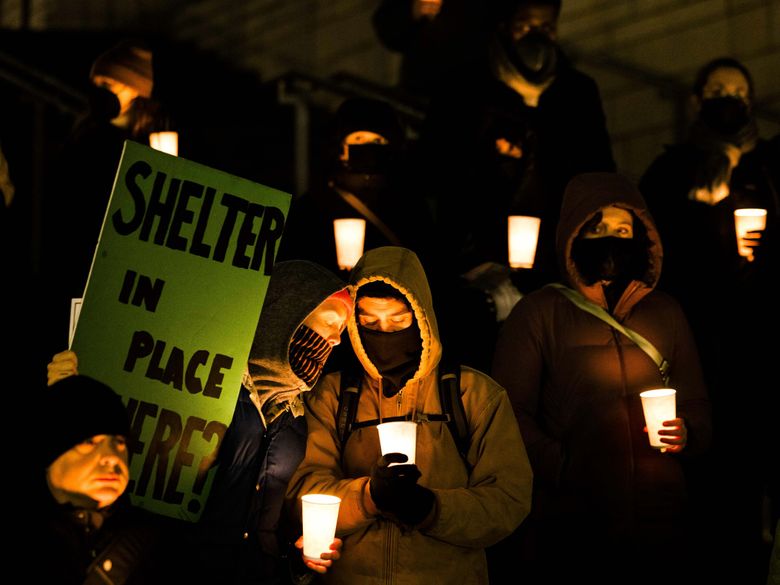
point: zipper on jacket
(391, 551)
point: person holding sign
(574, 360)
(426, 522)
(243, 535)
(84, 525)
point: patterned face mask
(308, 353)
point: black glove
(395, 492)
(417, 505)
(389, 486)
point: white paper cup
(748, 220)
(523, 236)
(350, 236)
(398, 437)
(320, 514)
(658, 406)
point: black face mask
(726, 115)
(396, 355)
(103, 103)
(535, 56)
(610, 258)
(369, 159)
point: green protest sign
(170, 309)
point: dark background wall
(250, 84)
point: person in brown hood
(427, 522)
(606, 504)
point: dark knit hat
(129, 63)
(77, 408)
(308, 353)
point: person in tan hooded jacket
(604, 500)
(432, 521)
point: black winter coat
(563, 136)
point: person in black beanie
(368, 178)
(244, 536)
(83, 525)
(85, 449)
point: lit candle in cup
(165, 142)
(320, 513)
(523, 236)
(350, 235)
(658, 406)
(398, 437)
(748, 220)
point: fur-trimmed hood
(400, 268)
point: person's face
(615, 222)
(360, 137)
(124, 93)
(531, 17)
(93, 473)
(328, 320)
(383, 314)
(726, 82)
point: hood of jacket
(296, 288)
(585, 195)
(400, 268)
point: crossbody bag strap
(584, 304)
(364, 210)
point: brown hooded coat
(476, 504)
(574, 384)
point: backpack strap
(453, 412)
(452, 405)
(589, 307)
(351, 382)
